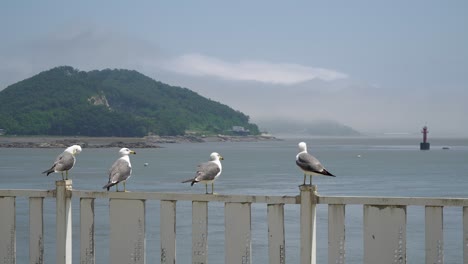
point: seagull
(309, 164)
(208, 172)
(121, 170)
(65, 161)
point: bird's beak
(132, 152)
(221, 157)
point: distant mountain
(66, 101)
(307, 128)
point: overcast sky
(377, 66)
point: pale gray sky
(377, 66)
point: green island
(65, 101)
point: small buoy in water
(146, 164)
(359, 155)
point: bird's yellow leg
(117, 187)
(66, 173)
(206, 188)
(63, 178)
(310, 181)
(125, 186)
(304, 179)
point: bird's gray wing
(64, 162)
(207, 171)
(119, 171)
(308, 162)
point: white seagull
(121, 170)
(208, 172)
(309, 164)
(65, 161)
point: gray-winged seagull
(309, 164)
(65, 161)
(121, 170)
(208, 172)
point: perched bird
(309, 164)
(208, 172)
(65, 161)
(121, 170)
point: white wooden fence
(384, 225)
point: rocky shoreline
(117, 142)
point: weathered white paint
(63, 222)
(36, 230)
(384, 234)
(130, 211)
(87, 231)
(7, 230)
(336, 234)
(418, 201)
(28, 193)
(199, 232)
(127, 231)
(465, 235)
(434, 235)
(168, 232)
(237, 228)
(308, 224)
(276, 246)
(161, 196)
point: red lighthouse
(424, 145)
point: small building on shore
(240, 131)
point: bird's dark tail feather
(326, 173)
(49, 171)
(190, 180)
(110, 184)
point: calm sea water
(386, 167)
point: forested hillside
(66, 101)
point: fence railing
(384, 225)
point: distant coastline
(111, 142)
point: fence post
(63, 222)
(308, 223)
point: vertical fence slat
(465, 235)
(384, 234)
(237, 226)
(276, 249)
(7, 230)
(434, 235)
(127, 231)
(336, 234)
(63, 222)
(87, 231)
(168, 232)
(308, 224)
(199, 232)
(36, 230)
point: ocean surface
(364, 166)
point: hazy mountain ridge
(66, 101)
(283, 127)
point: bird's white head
(126, 152)
(75, 149)
(302, 146)
(216, 156)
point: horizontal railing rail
(28, 193)
(188, 197)
(408, 201)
